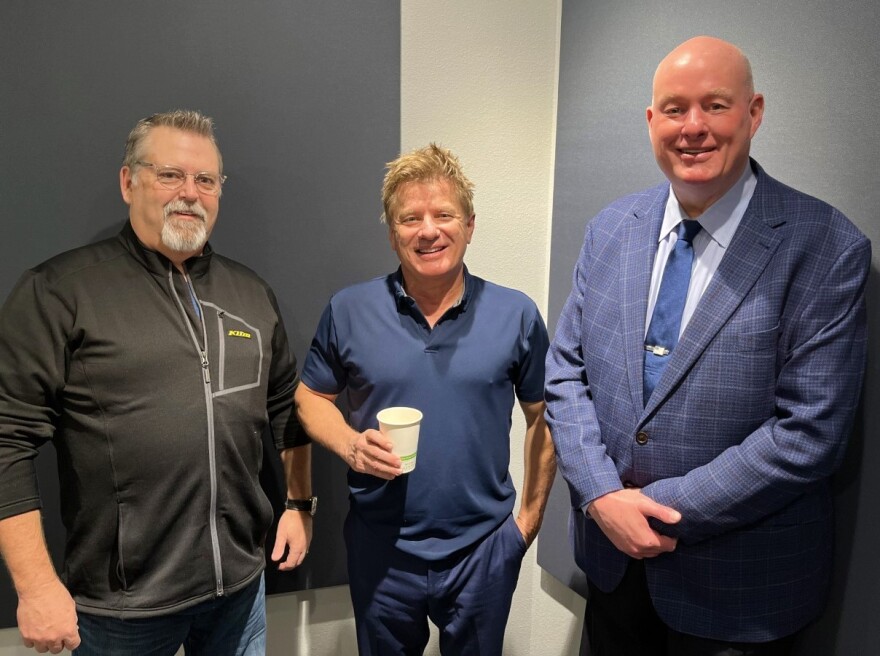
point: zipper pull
(205, 368)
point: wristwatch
(309, 505)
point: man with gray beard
(154, 365)
(182, 236)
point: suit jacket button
(641, 438)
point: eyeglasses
(172, 177)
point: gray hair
(180, 119)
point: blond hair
(432, 162)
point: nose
(188, 189)
(694, 123)
(429, 229)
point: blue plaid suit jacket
(747, 423)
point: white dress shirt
(719, 223)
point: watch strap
(309, 505)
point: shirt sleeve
(323, 370)
(35, 324)
(283, 380)
(534, 344)
(571, 414)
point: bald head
(704, 112)
(709, 53)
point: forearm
(297, 463)
(24, 551)
(46, 612)
(294, 533)
(540, 467)
(539, 470)
(324, 422)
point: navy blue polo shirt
(374, 345)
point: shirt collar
(722, 218)
(403, 298)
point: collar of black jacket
(156, 263)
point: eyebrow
(720, 92)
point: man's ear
(126, 181)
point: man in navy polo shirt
(439, 542)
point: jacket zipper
(209, 405)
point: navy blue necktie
(666, 321)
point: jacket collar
(158, 264)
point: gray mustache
(182, 206)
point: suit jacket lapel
(749, 253)
(638, 249)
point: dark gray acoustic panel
(816, 64)
(306, 96)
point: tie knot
(688, 229)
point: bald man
(702, 383)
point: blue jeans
(226, 626)
(467, 595)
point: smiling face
(177, 222)
(702, 118)
(430, 233)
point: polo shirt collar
(404, 300)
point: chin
(694, 176)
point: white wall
(479, 78)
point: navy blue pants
(467, 595)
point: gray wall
(306, 97)
(816, 64)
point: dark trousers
(467, 595)
(623, 622)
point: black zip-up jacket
(155, 387)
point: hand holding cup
(401, 426)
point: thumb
(278, 549)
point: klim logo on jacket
(239, 333)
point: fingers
(47, 619)
(667, 544)
(665, 514)
(528, 528)
(296, 554)
(622, 516)
(372, 455)
(278, 552)
(522, 529)
(73, 642)
(293, 560)
(54, 646)
(294, 535)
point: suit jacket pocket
(757, 341)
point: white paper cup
(401, 426)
